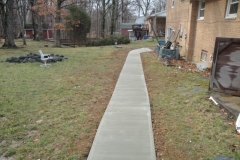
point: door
(225, 75)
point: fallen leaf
(39, 121)
(36, 139)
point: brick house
(198, 23)
(125, 27)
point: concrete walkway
(125, 131)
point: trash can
(161, 42)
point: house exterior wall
(29, 33)
(214, 25)
(125, 31)
(181, 14)
(200, 34)
(47, 34)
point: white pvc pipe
(211, 98)
(238, 124)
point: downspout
(192, 32)
(186, 37)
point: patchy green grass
(53, 112)
(186, 124)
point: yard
(53, 113)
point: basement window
(181, 31)
(232, 8)
(204, 55)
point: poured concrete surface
(125, 131)
(229, 102)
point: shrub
(109, 41)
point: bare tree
(6, 12)
(144, 6)
(160, 5)
(22, 8)
(103, 18)
(126, 9)
(33, 15)
(113, 16)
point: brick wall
(214, 25)
(201, 34)
(181, 14)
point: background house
(47, 31)
(196, 24)
(125, 27)
(137, 29)
(156, 22)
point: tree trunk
(97, 20)
(122, 13)
(32, 3)
(57, 21)
(34, 27)
(103, 19)
(40, 28)
(7, 19)
(21, 22)
(113, 17)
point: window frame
(233, 15)
(169, 32)
(200, 9)
(204, 55)
(172, 4)
(181, 31)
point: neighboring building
(139, 28)
(156, 22)
(198, 23)
(47, 32)
(125, 27)
(142, 26)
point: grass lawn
(53, 113)
(186, 125)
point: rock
(32, 57)
(22, 57)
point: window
(204, 55)
(201, 10)
(172, 3)
(181, 31)
(211, 58)
(232, 8)
(169, 32)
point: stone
(32, 57)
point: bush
(109, 41)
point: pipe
(211, 98)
